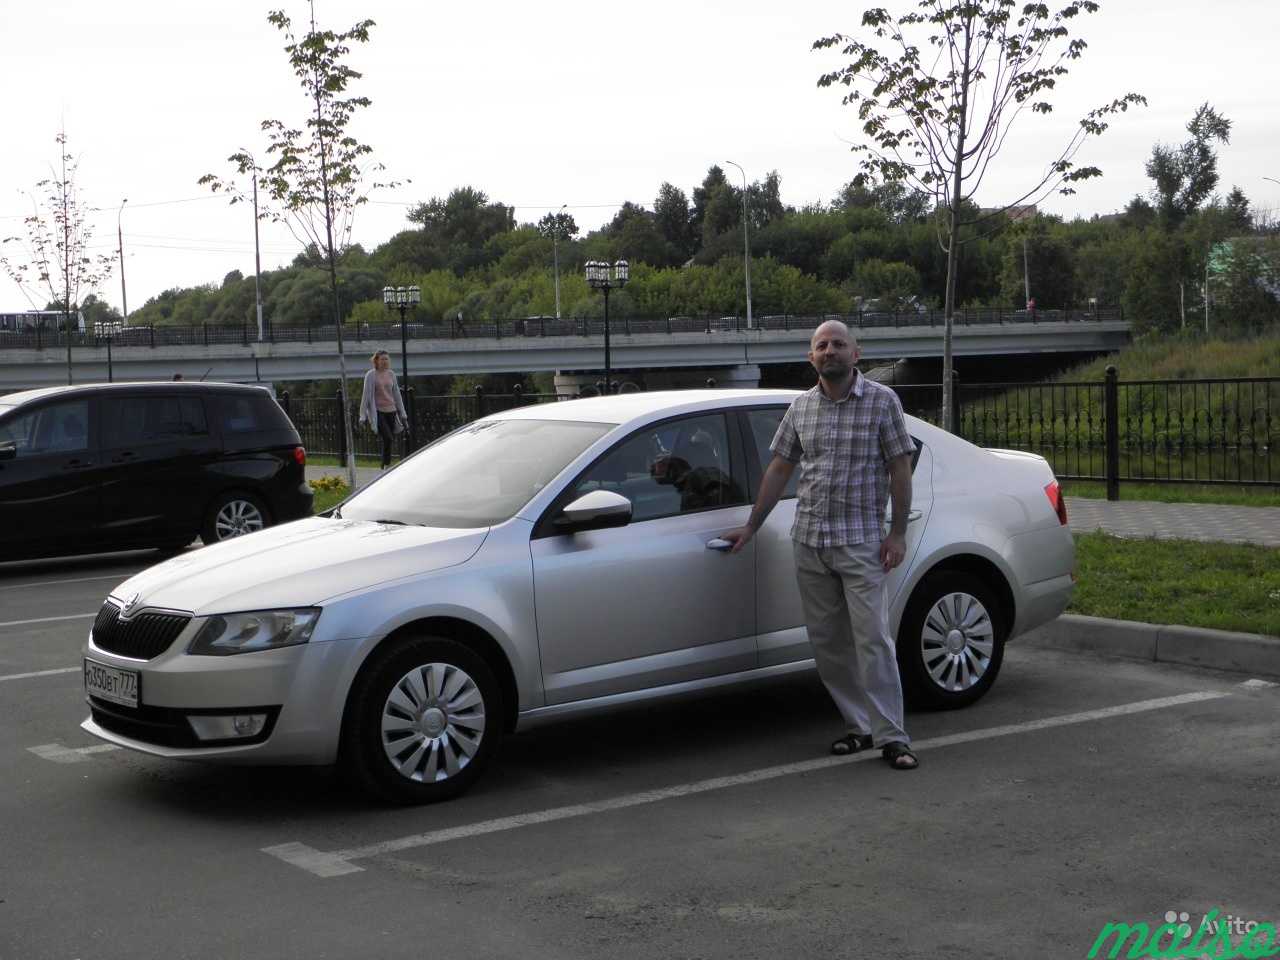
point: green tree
(671, 214)
(936, 119)
(1185, 176)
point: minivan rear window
(248, 414)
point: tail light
(300, 455)
(1057, 500)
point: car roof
(623, 408)
(202, 386)
(635, 409)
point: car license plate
(111, 683)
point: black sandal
(893, 752)
(851, 743)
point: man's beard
(833, 371)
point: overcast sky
(540, 104)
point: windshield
(477, 476)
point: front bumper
(302, 690)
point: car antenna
(205, 374)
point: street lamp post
(124, 300)
(257, 256)
(601, 278)
(555, 251)
(746, 243)
(402, 298)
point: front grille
(142, 637)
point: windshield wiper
(398, 523)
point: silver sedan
(544, 563)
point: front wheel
(951, 642)
(423, 721)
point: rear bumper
(294, 502)
(1041, 602)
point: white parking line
(60, 754)
(119, 577)
(39, 673)
(338, 862)
(72, 616)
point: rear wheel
(951, 641)
(233, 515)
(422, 722)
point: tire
(233, 515)
(423, 720)
(951, 640)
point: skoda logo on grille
(129, 604)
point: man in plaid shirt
(850, 439)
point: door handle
(722, 545)
(123, 456)
(78, 464)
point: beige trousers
(847, 614)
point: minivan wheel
(233, 515)
(951, 641)
(423, 721)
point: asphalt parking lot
(1080, 791)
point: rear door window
(132, 421)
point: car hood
(297, 565)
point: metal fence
(1219, 431)
(207, 334)
(1224, 431)
(319, 419)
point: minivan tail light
(1057, 500)
(300, 455)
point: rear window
(244, 413)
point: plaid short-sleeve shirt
(843, 447)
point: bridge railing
(210, 334)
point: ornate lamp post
(402, 298)
(746, 243)
(600, 277)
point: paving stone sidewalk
(1124, 518)
(1176, 521)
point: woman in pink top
(380, 404)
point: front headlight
(255, 630)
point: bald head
(833, 328)
(833, 351)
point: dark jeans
(387, 431)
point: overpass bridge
(725, 348)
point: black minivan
(128, 465)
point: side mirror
(8, 451)
(594, 511)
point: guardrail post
(151, 330)
(284, 403)
(244, 334)
(479, 402)
(1111, 426)
(542, 326)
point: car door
(154, 446)
(779, 614)
(49, 479)
(650, 603)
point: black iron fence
(319, 420)
(1224, 431)
(208, 334)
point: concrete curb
(1250, 653)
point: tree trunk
(953, 236)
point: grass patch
(1186, 357)
(329, 495)
(1178, 493)
(1222, 586)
